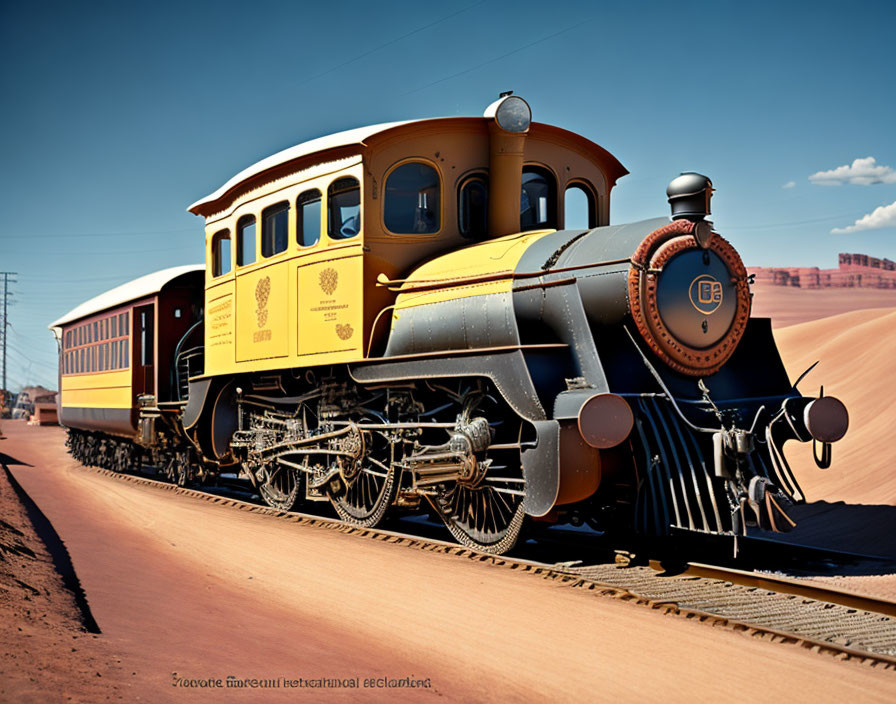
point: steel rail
(789, 585)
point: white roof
(131, 291)
(330, 141)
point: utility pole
(4, 321)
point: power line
(118, 252)
(4, 321)
(29, 342)
(795, 223)
(66, 282)
(388, 43)
(25, 359)
(502, 56)
(72, 235)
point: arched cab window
(275, 229)
(472, 207)
(221, 253)
(308, 218)
(538, 200)
(413, 203)
(245, 240)
(344, 208)
(579, 207)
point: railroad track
(770, 606)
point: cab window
(308, 218)
(245, 240)
(220, 258)
(413, 200)
(579, 211)
(472, 207)
(344, 208)
(275, 229)
(538, 199)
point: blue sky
(117, 115)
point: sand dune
(786, 305)
(858, 365)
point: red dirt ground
(181, 585)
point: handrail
(430, 284)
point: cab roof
(346, 138)
(342, 144)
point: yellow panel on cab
(330, 307)
(262, 304)
(219, 328)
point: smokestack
(507, 139)
(689, 196)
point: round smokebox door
(695, 298)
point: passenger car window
(413, 203)
(344, 208)
(221, 253)
(579, 207)
(275, 229)
(538, 199)
(245, 240)
(472, 207)
(308, 218)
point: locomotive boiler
(399, 318)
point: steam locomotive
(395, 318)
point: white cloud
(862, 172)
(884, 216)
(789, 184)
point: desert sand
(787, 305)
(182, 588)
(178, 585)
(858, 365)
(852, 505)
(852, 334)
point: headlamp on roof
(511, 113)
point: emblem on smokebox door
(705, 293)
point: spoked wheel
(365, 489)
(486, 512)
(169, 470)
(177, 468)
(279, 485)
